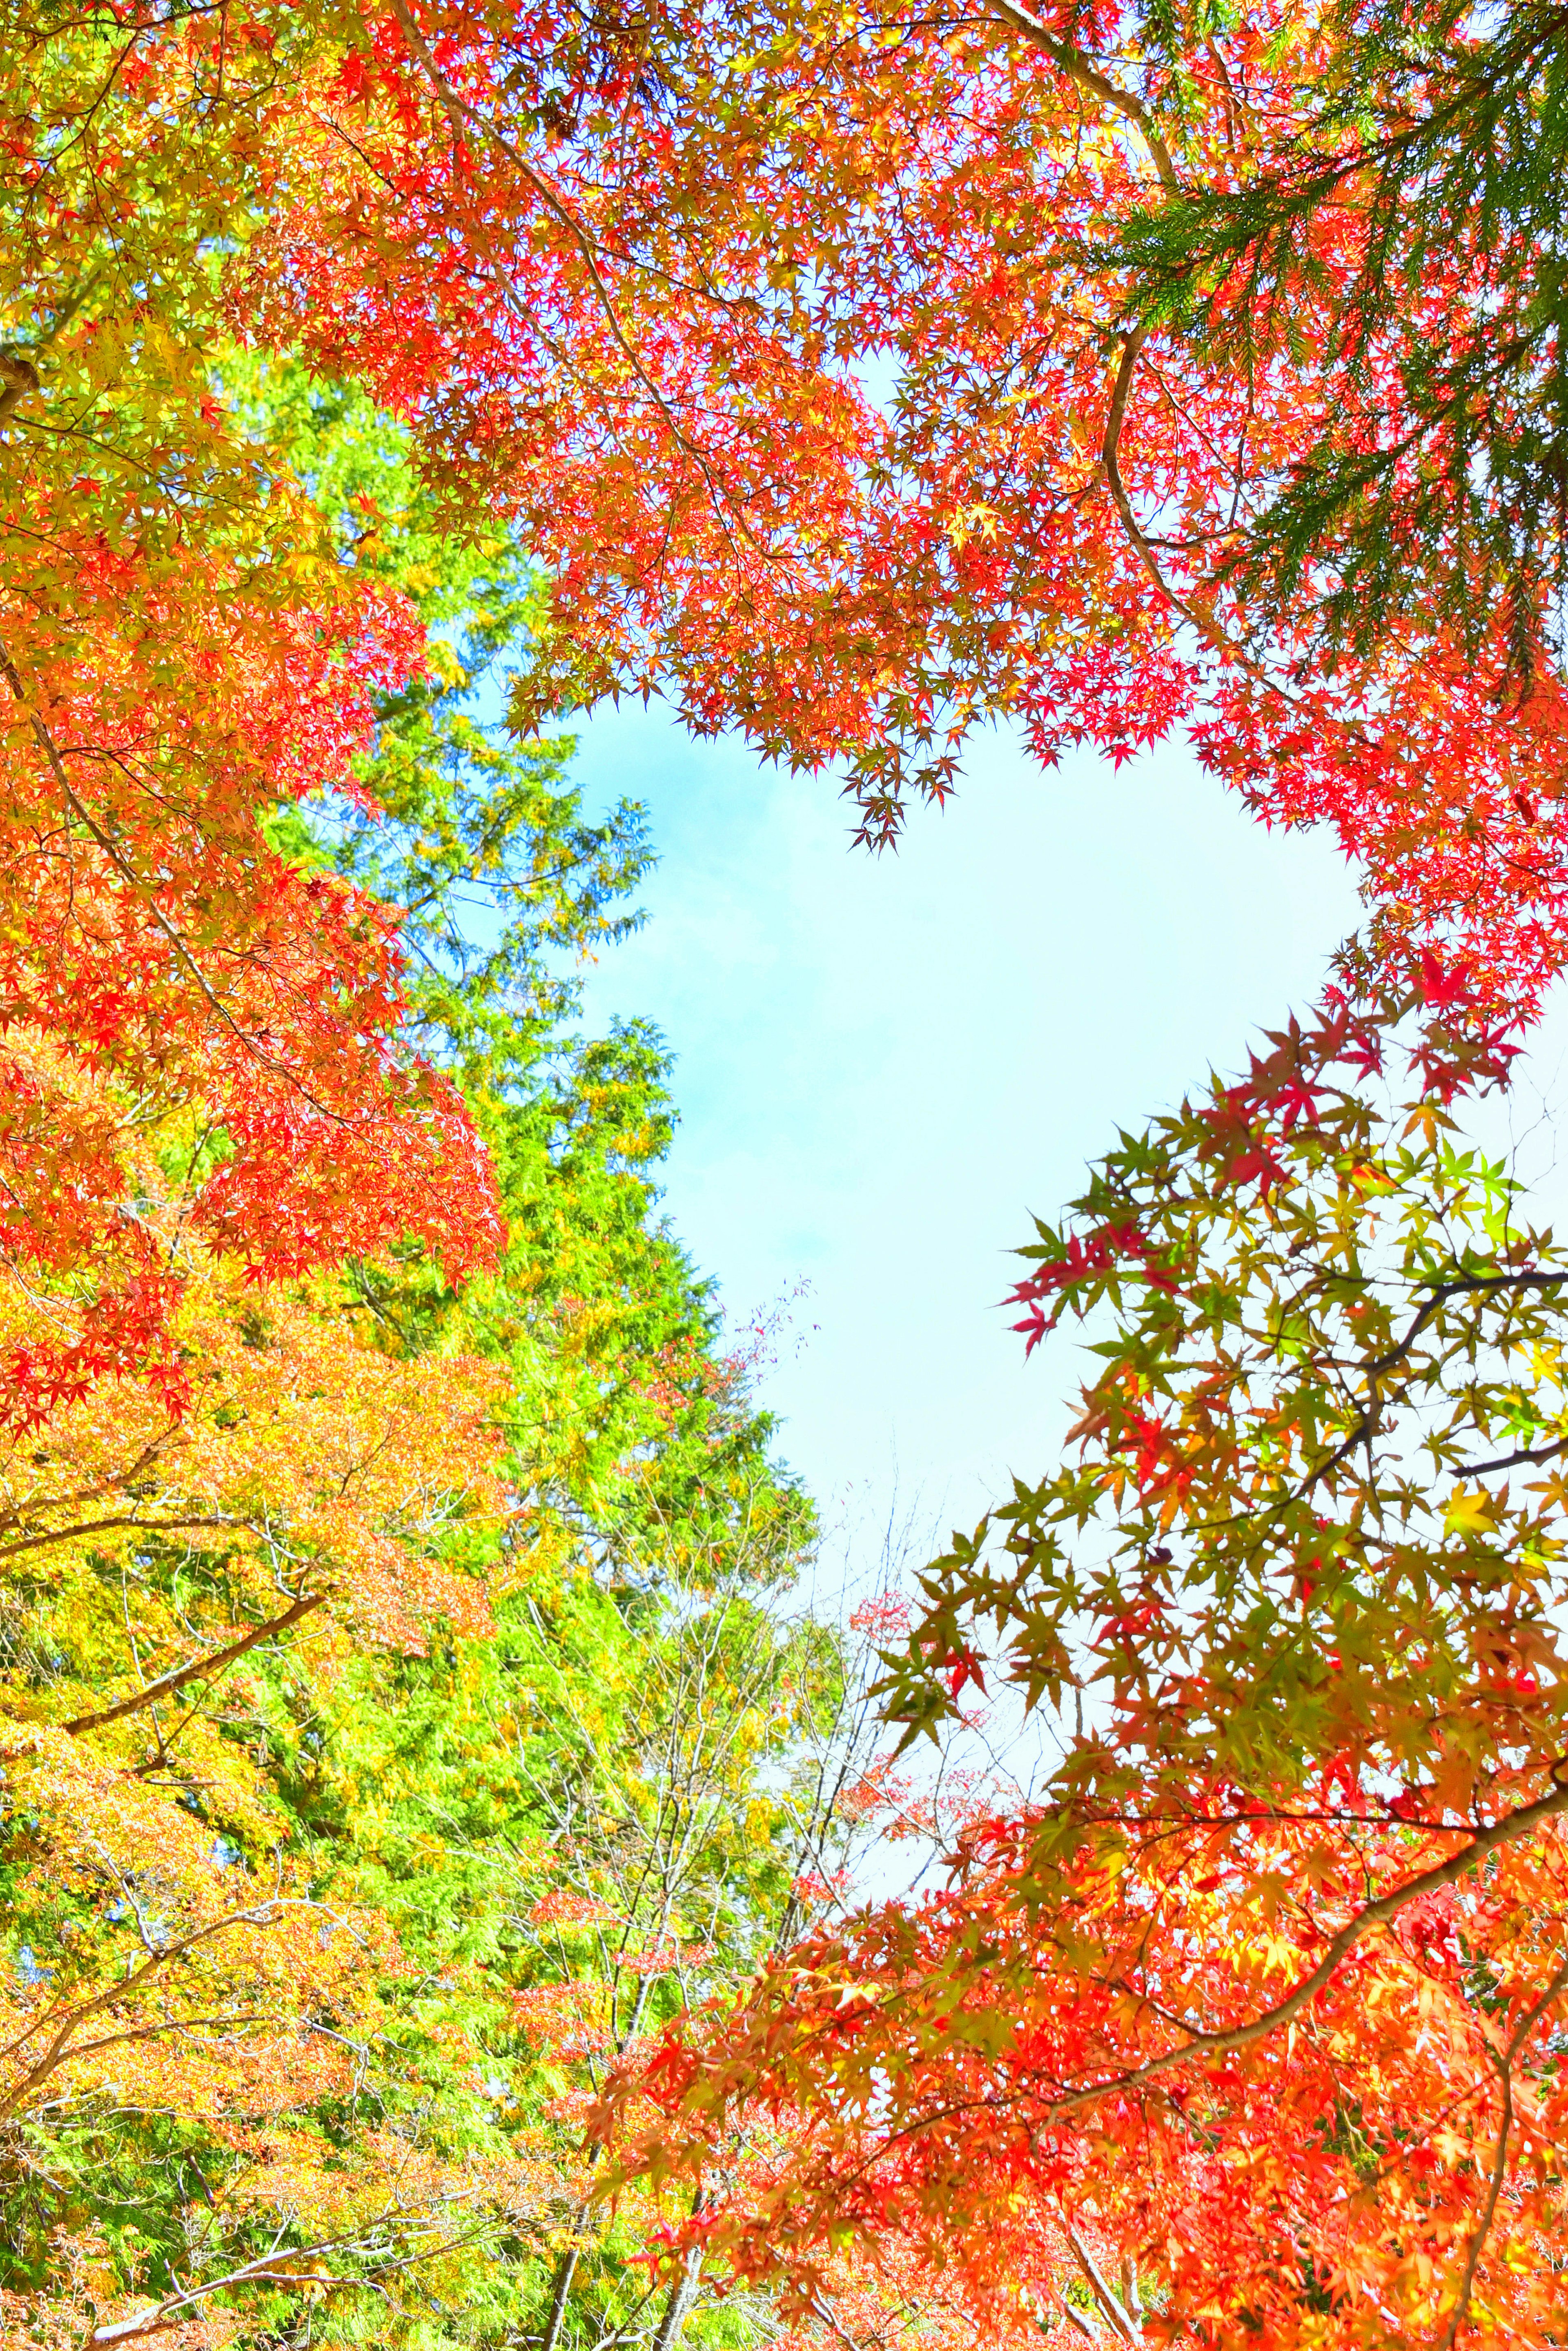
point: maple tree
(1049, 2105)
(1148, 300)
(1260, 2004)
(1153, 401)
(182, 652)
(307, 1485)
(510, 1833)
(1219, 365)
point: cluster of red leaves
(159, 955)
(1346, 2133)
(629, 283)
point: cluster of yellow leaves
(312, 1461)
(182, 1957)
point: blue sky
(884, 1065)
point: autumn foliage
(427, 1810)
(1255, 2011)
(637, 284)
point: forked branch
(63, 2045)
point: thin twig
(1482, 2230)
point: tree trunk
(677, 2310)
(566, 2270)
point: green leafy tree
(413, 1893)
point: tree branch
(1081, 70)
(62, 2048)
(264, 2271)
(19, 377)
(1529, 1454)
(1482, 2230)
(106, 1526)
(1375, 1914)
(201, 1666)
(1110, 457)
(1104, 2294)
